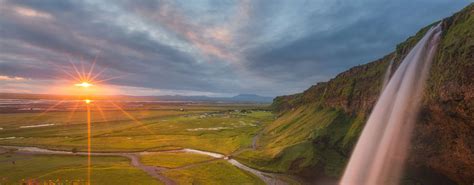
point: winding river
(155, 171)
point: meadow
(163, 132)
(17, 168)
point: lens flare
(87, 85)
(88, 143)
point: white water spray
(380, 153)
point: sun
(88, 85)
(83, 84)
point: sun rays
(83, 97)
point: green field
(216, 172)
(220, 129)
(18, 168)
(173, 159)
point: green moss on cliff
(456, 59)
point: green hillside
(316, 130)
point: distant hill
(243, 98)
(251, 98)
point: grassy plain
(17, 168)
(216, 172)
(215, 130)
(221, 129)
(173, 159)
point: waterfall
(380, 152)
(386, 78)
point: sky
(208, 47)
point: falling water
(381, 150)
(387, 74)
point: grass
(303, 138)
(214, 129)
(216, 172)
(279, 160)
(43, 168)
(153, 130)
(173, 159)
(14, 120)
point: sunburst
(85, 80)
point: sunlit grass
(216, 172)
(173, 159)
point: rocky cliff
(317, 129)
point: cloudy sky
(209, 47)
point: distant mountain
(245, 98)
(251, 98)
(180, 98)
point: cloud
(204, 47)
(31, 13)
(9, 78)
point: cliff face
(316, 130)
(444, 135)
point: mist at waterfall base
(380, 152)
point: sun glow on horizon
(83, 84)
(80, 81)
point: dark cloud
(220, 47)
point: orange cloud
(207, 47)
(31, 13)
(213, 41)
(221, 35)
